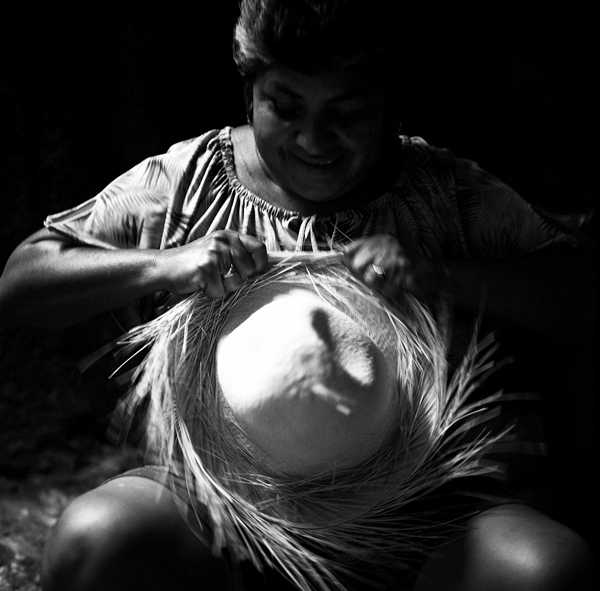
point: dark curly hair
(306, 35)
(309, 35)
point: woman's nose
(315, 138)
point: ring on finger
(230, 272)
(377, 270)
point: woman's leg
(129, 534)
(511, 548)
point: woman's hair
(307, 35)
(310, 35)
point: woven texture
(320, 530)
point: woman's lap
(129, 533)
(138, 510)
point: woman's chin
(318, 190)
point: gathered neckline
(227, 154)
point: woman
(320, 164)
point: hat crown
(306, 384)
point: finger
(223, 259)
(349, 250)
(374, 275)
(257, 251)
(368, 277)
(396, 273)
(400, 280)
(214, 283)
(358, 255)
(241, 259)
(365, 257)
(231, 279)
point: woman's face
(318, 135)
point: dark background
(87, 96)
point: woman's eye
(284, 110)
(351, 114)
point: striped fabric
(438, 205)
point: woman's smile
(318, 163)
(318, 135)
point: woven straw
(320, 530)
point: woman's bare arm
(51, 281)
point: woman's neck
(253, 175)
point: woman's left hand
(382, 264)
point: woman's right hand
(217, 263)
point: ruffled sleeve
(139, 209)
(131, 212)
(497, 222)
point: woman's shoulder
(464, 173)
(200, 141)
(194, 147)
(193, 165)
(416, 150)
(418, 154)
(424, 167)
(175, 166)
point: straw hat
(307, 416)
(309, 388)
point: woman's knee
(127, 534)
(525, 549)
(511, 548)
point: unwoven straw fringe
(315, 529)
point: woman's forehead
(327, 83)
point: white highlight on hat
(305, 383)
